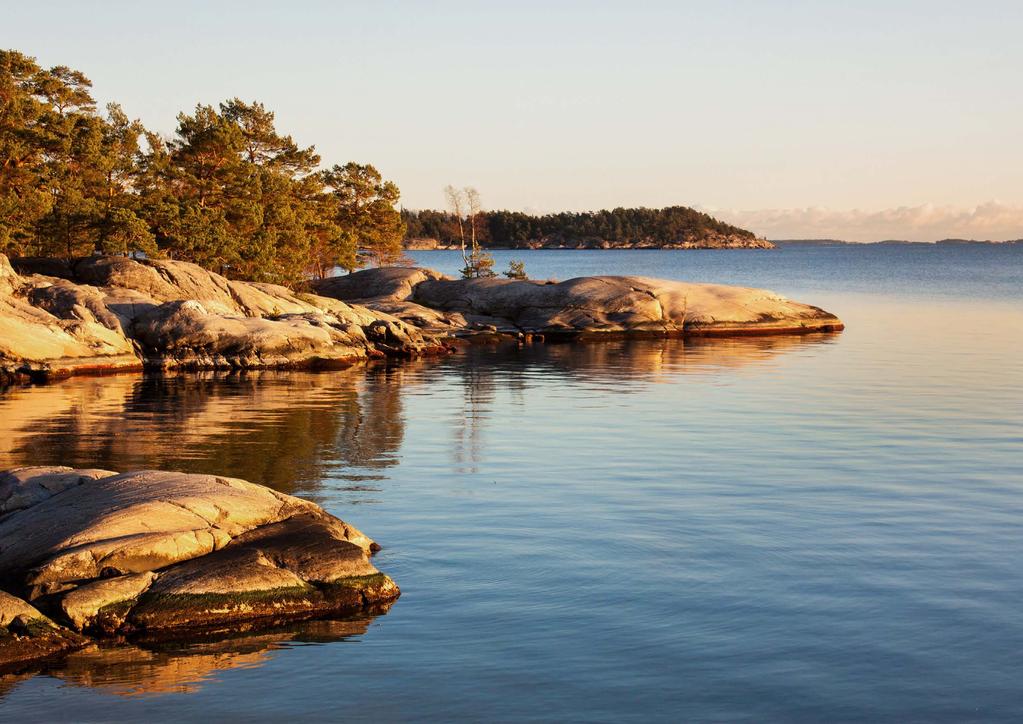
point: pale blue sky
(757, 110)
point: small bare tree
(472, 201)
(465, 205)
(457, 202)
(480, 263)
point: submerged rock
(598, 305)
(161, 552)
(109, 313)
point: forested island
(674, 227)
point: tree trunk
(461, 236)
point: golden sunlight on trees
(227, 190)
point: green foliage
(122, 232)
(671, 225)
(480, 264)
(366, 213)
(227, 191)
(516, 270)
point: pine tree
(366, 211)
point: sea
(810, 528)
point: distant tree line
(671, 225)
(227, 190)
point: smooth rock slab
(22, 488)
(600, 305)
(156, 552)
(636, 305)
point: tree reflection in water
(290, 430)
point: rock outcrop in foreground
(602, 305)
(96, 553)
(110, 313)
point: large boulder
(390, 290)
(157, 552)
(187, 334)
(394, 283)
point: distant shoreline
(895, 242)
(673, 247)
(774, 244)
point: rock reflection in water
(151, 669)
(291, 430)
(615, 366)
(285, 430)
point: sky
(819, 119)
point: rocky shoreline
(580, 308)
(93, 554)
(104, 314)
(101, 314)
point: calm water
(786, 528)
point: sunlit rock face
(156, 552)
(75, 338)
(108, 313)
(577, 307)
(391, 290)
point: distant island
(674, 227)
(894, 242)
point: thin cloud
(991, 220)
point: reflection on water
(130, 670)
(284, 430)
(290, 430)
